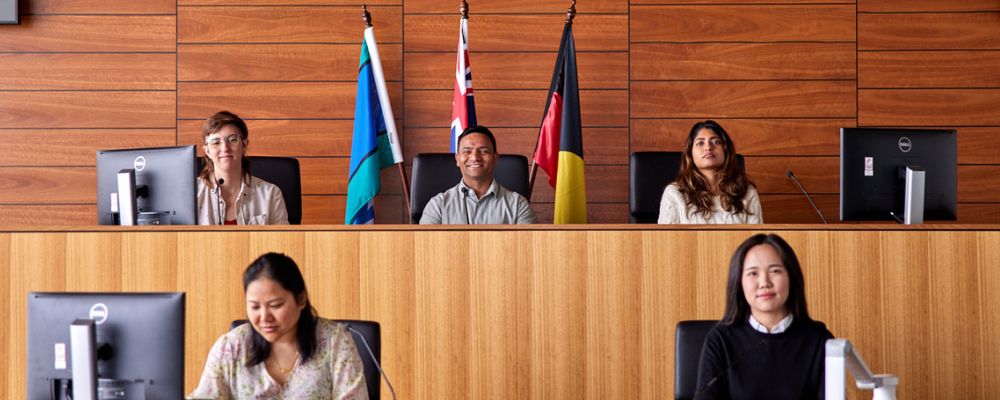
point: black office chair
(688, 342)
(284, 173)
(372, 332)
(649, 173)
(433, 173)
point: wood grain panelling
(273, 100)
(600, 145)
(978, 145)
(36, 71)
(48, 214)
(284, 24)
(104, 109)
(795, 209)
(91, 33)
(817, 174)
(945, 31)
(812, 137)
(978, 183)
(97, 7)
(513, 108)
(280, 62)
(523, 33)
(738, 23)
(928, 107)
(927, 5)
(73, 147)
(928, 69)
(736, 61)
(330, 209)
(285, 138)
(329, 176)
(979, 213)
(717, 2)
(40, 185)
(605, 184)
(286, 2)
(515, 70)
(514, 7)
(767, 99)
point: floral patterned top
(334, 372)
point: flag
(375, 145)
(560, 139)
(463, 104)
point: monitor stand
(913, 202)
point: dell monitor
(873, 172)
(139, 344)
(164, 181)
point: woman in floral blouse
(286, 351)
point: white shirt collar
(780, 327)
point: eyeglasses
(230, 140)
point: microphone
(808, 197)
(218, 188)
(374, 360)
(465, 206)
(732, 365)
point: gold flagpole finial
(571, 12)
(465, 9)
(365, 16)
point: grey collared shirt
(497, 206)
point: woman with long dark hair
(766, 345)
(711, 187)
(286, 351)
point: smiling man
(478, 198)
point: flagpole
(367, 18)
(570, 14)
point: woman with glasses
(710, 188)
(227, 193)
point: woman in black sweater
(765, 346)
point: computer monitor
(165, 181)
(872, 170)
(140, 343)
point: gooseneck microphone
(218, 189)
(374, 360)
(808, 197)
(465, 205)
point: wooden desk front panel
(545, 314)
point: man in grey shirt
(478, 198)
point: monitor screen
(140, 343)
(872, 167)
(167, 173)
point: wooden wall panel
(513, 108)
(48, 214)
(294, 138)
(46, 71)
(611, 213)
(928, 107)
(978, 145)
(592, 32)
(284, 2)
(795, 209)
(291, 24)
(928, 69)
(724, 2)
(91, 33)
(87, 109)
(927, 5)
(769, 99)
(272, 100)
(547, 322)
(603, 185)
(812, 137)
(280, 62)
(73, 147)
(929, 31)
(47, 185)
(739, 23)
(515, 7)
(103, 7)
(817, 174)
(604, 70)
(741, 61)
(978, 183)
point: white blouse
(674, 209)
